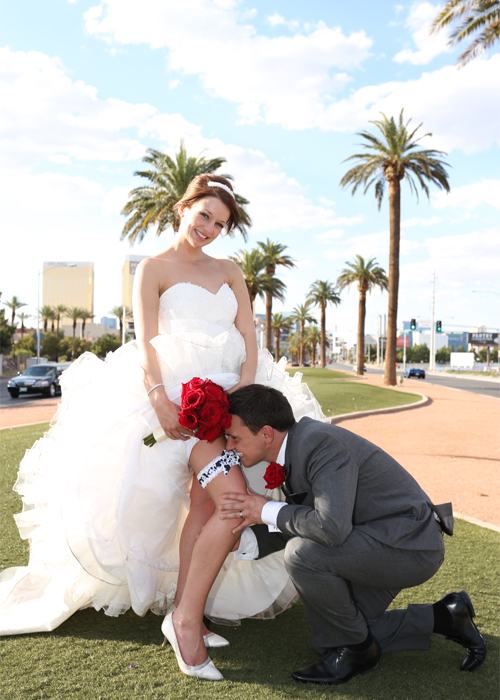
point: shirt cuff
(249, 547)
(269, 514)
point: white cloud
(326, 202)
(409, 223)
(419, 22)
(173, 84)
(469, 197)
(332, 235)
(276, 20)
(283, 79)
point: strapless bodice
(186, 301)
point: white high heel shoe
(206, 670)
(211, 639)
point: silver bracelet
(153, 388)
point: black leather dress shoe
(464, 631)
(340, 665)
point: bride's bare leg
(209, 552)
(201, 509)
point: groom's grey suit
(358, 529)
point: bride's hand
(168, 415)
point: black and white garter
(218, 465)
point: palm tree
(75, 314)
(23, 317)
(301, 314)
(294, 346)
(60, 310)
(258, 283)
(14, 304)
(47, 314)
(273, 256)
(320, 294)
(470, 16)
(312, 339)
(153, 204)
(279, 323)
(367, 276)
(391, 159)
(84, 316)
(118, 312)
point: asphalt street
(6, 401)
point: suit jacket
(338, 481)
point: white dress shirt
(249, 548)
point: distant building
(70, 284)
(128, 276)
(109, 321)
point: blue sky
(279, 89)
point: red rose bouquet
(204, 410)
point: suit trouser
(346, 591)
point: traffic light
(413, 324)
(439, 326)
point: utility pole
(432, 357)
(378, 339)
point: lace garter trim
(220, 464)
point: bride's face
(203, 222)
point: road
(475, 386)
(7, 402)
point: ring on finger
(241, 514)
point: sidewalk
(451, 445)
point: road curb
(25, 425)
(391, 409)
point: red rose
(213, 391)
(275, 475)
(208, 431)
(211, 412)
(225, 421)
(192, 385)
(192, 398)
(189, 419)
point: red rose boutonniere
(275, 475)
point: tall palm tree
(294, 346)
(84, 316)
(279, 323)
(60, 310)
(391, 158)
(273, 256)
(320, 294)
(312, 340)
(153, 204)
(301, 314)
(14, 304)
(118, 312)
(75, 314)
(47, 314)
(258, 282)
(470, 16)
(367, 276)
(23, 317)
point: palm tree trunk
(74, 328)
(301, 346)
(392, 315)
(360, 358)
(277, 347)
(323, 334)
(57, 331)
(269, 314)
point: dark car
(415, 372)
(38, 379)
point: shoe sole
(339, 682)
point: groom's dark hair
(259, 405)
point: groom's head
(261, 416)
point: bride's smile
(203, 222)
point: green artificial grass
(95, 657)
(338, 396)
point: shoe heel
(468, 602)
(165, 642)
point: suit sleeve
(333, 475)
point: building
(70, 284)
(128, 276)
(109, 321)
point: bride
(115, 524)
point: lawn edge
(390, 409)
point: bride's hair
(199, 188)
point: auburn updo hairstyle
(199, 188)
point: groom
(356, 528)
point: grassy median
(92, 656)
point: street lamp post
(40, 273)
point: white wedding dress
(103, 512)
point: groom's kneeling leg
(333, 617)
